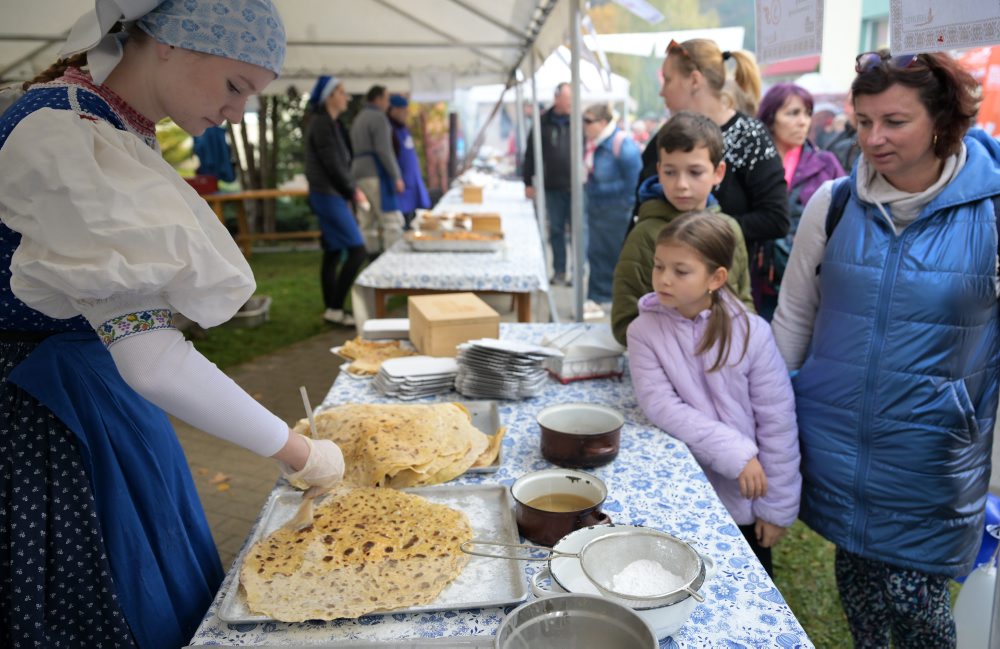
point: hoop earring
(934, 141)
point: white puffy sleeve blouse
(108, 227)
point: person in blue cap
(331, 192)
(103, 541)
(414, 195)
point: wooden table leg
(523, 306)
(380, 297)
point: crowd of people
(868, 272)
(865, 407)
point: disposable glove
(324, 467)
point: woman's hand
(767, 533)
(307, 462)
(753, 481)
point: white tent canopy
(655, 43)
(434, 43)
(595, 85)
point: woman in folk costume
(103, 542)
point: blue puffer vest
(897, 398)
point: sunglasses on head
(674, 46)
(868, 61)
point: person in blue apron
(331, 192)
(414, 194)
(103, 542)
(377, 173)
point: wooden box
(441, 322)
(486, 222)
(472, 194)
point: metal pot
(574, 622)
(580, 435)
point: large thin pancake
(367, 550)
(404, 445)
(367, 355)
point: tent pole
(519, 121)
(576, 162)
(539, 180)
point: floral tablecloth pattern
(518, 267)
(654, 481)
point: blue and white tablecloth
(518, 267)
(654, 481)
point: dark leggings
(335, 285)
(763, 554)
(880, 600)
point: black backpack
(842, 193)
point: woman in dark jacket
(786, 110)
(753, 190)
(331, 192)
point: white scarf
(588, 154)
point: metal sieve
(606, 556)
(603, 558)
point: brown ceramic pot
(580, 435)
(547, 527)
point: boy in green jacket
(690, 164)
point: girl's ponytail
(746, 75)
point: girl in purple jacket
(708, 372)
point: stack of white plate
(412, 377)
(500, 369)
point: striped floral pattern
(126, 325)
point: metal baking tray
(483, 583)
(456, 642)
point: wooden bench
(245, 238)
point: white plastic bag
(974, 607)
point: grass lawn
(803, 561)
(292, 281)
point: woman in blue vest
(890, 316)
(103, 541)
(612, 162)
(414, 195)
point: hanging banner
(788, 29)
(929, 25)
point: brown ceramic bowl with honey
(551, 503)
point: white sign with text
(789, 29)
(929, 25)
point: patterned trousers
(880, 600)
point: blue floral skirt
(103, 541)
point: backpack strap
(838, 201)
(839, 196)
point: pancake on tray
(366, 356)
(367, 550)
(393, 445)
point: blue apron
(415, 194)
(164, 563)
(386, 185)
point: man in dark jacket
(556, 166)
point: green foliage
(176, 145)
(292, 281)
(803, 572)
(290, 137)
(643, 71)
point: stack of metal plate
(412, 377)
(501, 369)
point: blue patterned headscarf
(245, 30)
